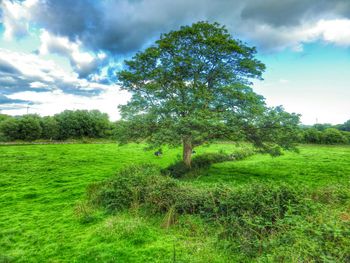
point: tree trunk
(187, 151)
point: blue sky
(314, 82)
(57, 55)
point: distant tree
(26, 127)
(191, 87)
(50, 128)
(82, 123)
(322, 126)
(29, 127)
(312, 135)
(345, 126)
(9, 128)
(4, 117)
(333, 136)
(100, 124)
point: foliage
(191, 87)
(322, 126)
(10, 129)
(333, 136)
(247, 217)
(26, 127)
(82, 123)
(312, 135)
(326, 136)
(3, 117)
(65, 125)
(50, 128)
(345, 126)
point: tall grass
(252, 220)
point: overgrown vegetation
(252, 220)
(327, 134)
(65, 125)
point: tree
(4, 117)
(345, 126)
(333, 136)
(10, 129)
(322, 126)
(312, 135)
(82, 123)
(50, 128)
(192, 86)
(26, 127)
(29, 127)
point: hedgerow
(251, 219)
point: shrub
(50, 128)
(312, 135)
(10, 129)
(260, 218)
(82, 123)
(326, 136)
(144, 184)
(26, 127)
(333, 136)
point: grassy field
(41, 186)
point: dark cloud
(10, 84)
(6, 100)
(294, 12)
(122, 26)
(30, 73)
(118, 28)
(7, 68)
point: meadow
(42, 187)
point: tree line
(65, 125)
(327, 133)
(94, 124)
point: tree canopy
(65, 125)
(192, 86)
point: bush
(260, 218)
(333, 136)
(10, 129)
(82, 123)
(65, 125)
(50, 128)
(312, 135)
(26, 127)
(326, 136)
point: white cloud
(59, 89)
(335, 31)
(50, 103)
(83, 62)
(33, 70)
(16, 17)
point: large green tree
(192, 86)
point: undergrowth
(257, 221)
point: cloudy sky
(57, 55)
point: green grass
(41, 185)
(314, 166)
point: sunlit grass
(41, 185)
